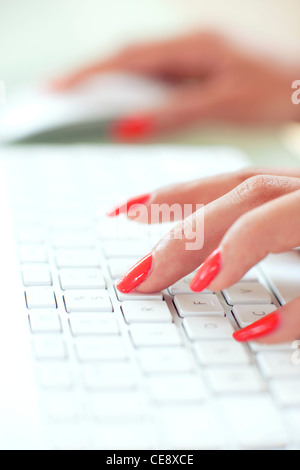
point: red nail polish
(124, 208)
(131, 129)
(136, 275)
(207, 272)
(260, 328)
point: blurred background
(40, 39)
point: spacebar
(283, 274)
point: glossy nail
(258, 329)
(131, 129)
(136, 275)
(124, 208)
(207, 272)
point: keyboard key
(165, 360)
(282, 271)
(55, 375)
(77, 258)
(125, 248)
(49, 347)
(69, 239)
(100, 348)
(226, 352)
(33, 254)
(155, 334)
(183, 286)
(201, 328)
(235, 379)
(40, 297)
(45, 321)
(93, 324)
(112, 375)
(118, 267)
(116, 405)
(256, 422)
(247, 293)
(177, 388)
(198, 304)
(247, 314)
(191, 427)
(87, 301)
(38, 275)
(277, 364)
(81, 279)
(146, 311)
(133, 296)
(286, 391)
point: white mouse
(36, 111)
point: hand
(212, 80)
(246, 215)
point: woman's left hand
(246, 215)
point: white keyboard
(133, 371)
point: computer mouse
(36, 111)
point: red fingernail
(131, 129)
(207, 272)
(136, 275)
(260, 328)
(124, 208)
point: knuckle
(258, 189)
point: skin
(211, 80)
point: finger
(273, 227)
(183, 249)
(188, 195)
(280, 326)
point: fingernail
(136, 275)
(124, 208)
(262, 327)
(207, 272)
(132, 129)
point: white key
(247, 293)
(115, 405)
(44, 321)
(198, 304)
(183, 286)
(31, 235)
(100, 348)
(277, 364)
(77, 258)
(118, 267)
(81, 279)
(226, 352)
(49, 347)
(191, 427)
(61, 405)
(33, 254)
(65, 239)
(283, 273)
(256, 422)
(133, 296)
(155, 334)
(112, 375)
(87, 301)
(125, 248)
(146, 311)
(40, 297)
(38, 275)
(200, 328)
(235, 379)
(250, 276)
(247, 314)
(286, 391)
(165, 360)
(178, 388)
(55, 375)
(93, 324)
